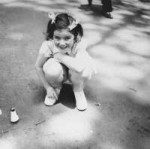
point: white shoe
(81, 102)
(13, 116)
(49, 101)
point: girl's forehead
(63, 32)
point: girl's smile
(63, 40)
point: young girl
(63, 57)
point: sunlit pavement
(118, 114)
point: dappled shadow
(120, 40)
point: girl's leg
(55, 74)
(78, 86)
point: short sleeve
(82, 46)
(45, 49)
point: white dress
(48, 49)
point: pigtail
(50, 26)
(78, 32)
(79, 29)
(75, 27)
(50, 30)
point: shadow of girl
(66, 96)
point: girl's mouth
(63, 48)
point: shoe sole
(81, 109)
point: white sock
(81, 102)
(79, 95)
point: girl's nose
(62, 43)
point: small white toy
(13, 115)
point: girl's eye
(57, 38)
(67, 38)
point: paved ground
(118, 116)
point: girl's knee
(52, 68)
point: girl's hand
(51, 93)
(59, 56)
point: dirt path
(118, 115)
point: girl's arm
(39, 68)
(77, 62)
(81, 63)
(71, 62)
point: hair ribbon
(52, 17)
(73, 24)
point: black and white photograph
(74, 74)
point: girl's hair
(63, 21)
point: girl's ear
(78, 38)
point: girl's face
(63, 40)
